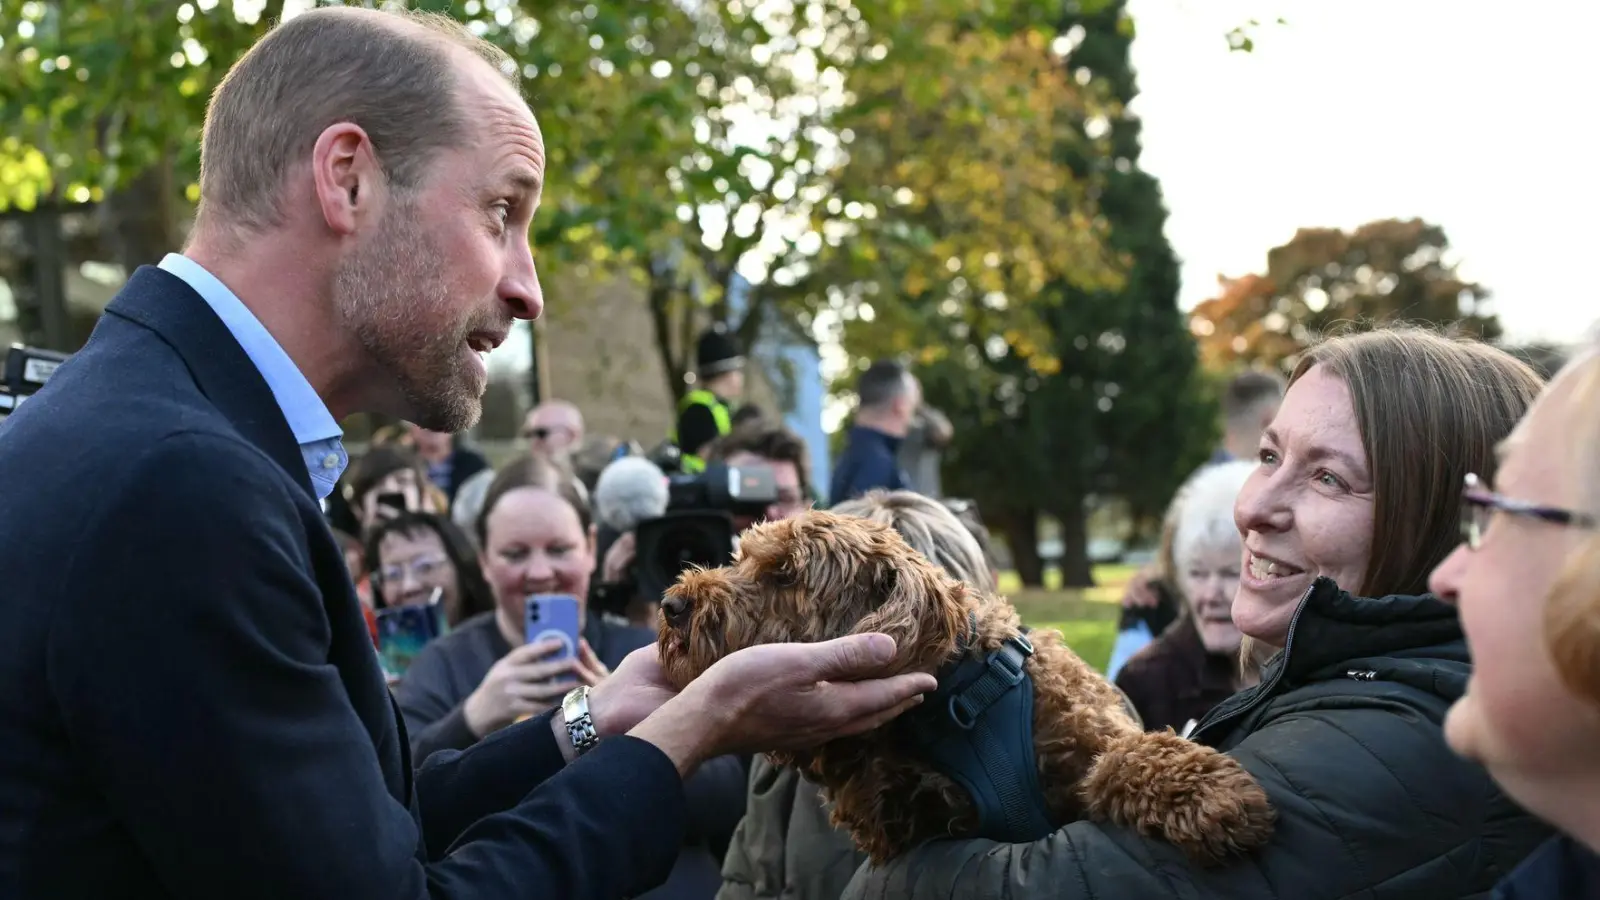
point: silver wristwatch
(580, 725)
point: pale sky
(1478, 116)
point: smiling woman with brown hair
(1351, 504)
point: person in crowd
(554, 429)
(1527, 583)
(1249, 403)
(755, 443)
(389, 481)
(449, 463)
(412, 555)
(468, 501)
(190, 701)
(785, 848)
(1350, 507)
(888, 399)
(1194, 664)
(780, 451)
(592, 457)
(1151, 604)
(922, 449)
(537, 537)
(705, 413)
(396, 436)
(747, 414)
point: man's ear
(348, 180)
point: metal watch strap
(580, 725)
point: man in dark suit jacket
(190, 704)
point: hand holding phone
(535, 676)
(403, 632)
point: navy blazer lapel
(165, 304)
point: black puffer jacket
(1344, 734)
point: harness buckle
(1002, 671)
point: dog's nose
(676, 608)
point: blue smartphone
(404, 630)
(555, 616)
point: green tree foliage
(685, 141)
(1325, 280)
(1125, 414)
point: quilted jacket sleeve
(1370, 801)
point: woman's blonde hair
(930, 528)
(1572, 612)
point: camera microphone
(630, 490)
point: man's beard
(395, 296)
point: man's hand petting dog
(764, 698)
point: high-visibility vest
(692, 464)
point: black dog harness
(977, 730)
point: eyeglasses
(542, 433)
(1479, 504)
(420, 568)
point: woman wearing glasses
(1351, 506)
(1527, 582)
(411, 556)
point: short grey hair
(391, 73)
(881, 383)
(1204, 512)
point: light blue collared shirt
(319, 436)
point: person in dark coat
(1194, 664)
(1343, 730)
(537, 537)
(888, 398)
(1527, 582)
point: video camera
(698, 526)
(25, 372)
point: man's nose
(675, 607)
(520, 290)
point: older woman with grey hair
(785, 847)
(1194, 665)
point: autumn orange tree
(1326, 280)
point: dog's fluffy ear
(923, 609)
(773, 548)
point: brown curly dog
(819, 576)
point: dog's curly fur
(820, 576)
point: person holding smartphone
(537, 541)
(190, 703)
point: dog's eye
(785, 577)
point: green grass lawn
(1087, 619)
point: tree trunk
(658, 297)
(140, 219)
(1076, 572)
(41, 288)
(1022, 539)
